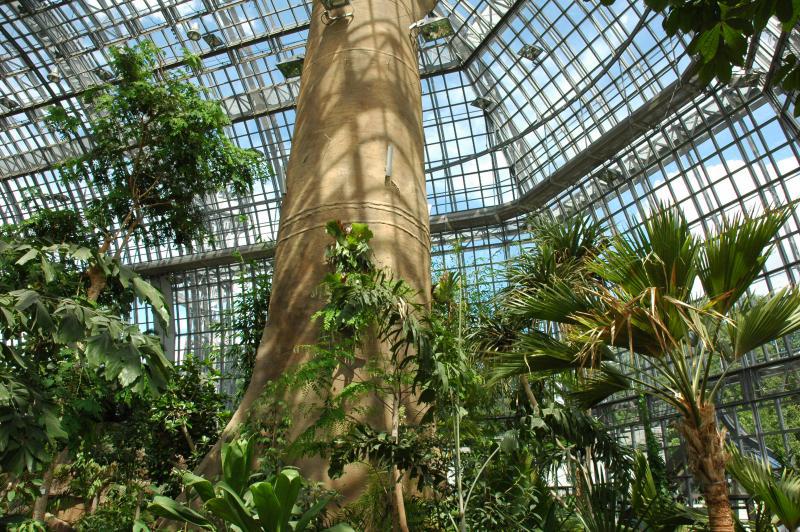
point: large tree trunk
(705, 445)
(359, 94)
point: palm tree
(779, 494)
(678, 306)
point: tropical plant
(268, 506)
(157, 150)
(370, 328)
(636, 504)
(242, 325)
(190, 407)
(722, 32)
(43, 328)
(639, 295)
(779, 493)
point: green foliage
(723, 31)
(778, 492)
(246, 317)
(367, 312)
(45, 329)
(414, 452)
(637, 294)
(640, 299)
(187, 417)
(268, 506)
(157, 149)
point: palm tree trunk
(705, 445)
(359, 94)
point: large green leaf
(730, 261)
(267, 505)
(534, 351)
(599, 386)
(781, 495)
(764, 320)
(98, 348)
(311, 513)
(556, 301)
(287, 488)
(202, 486)
(669, 253)
(70, 329)
(237, 458)
(27, 257)
(170, 509)
(153, 296)
(232, 510)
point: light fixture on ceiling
(530, 52)
(292, 66)
(54, 76)
(8, 102)
(194, 32)
(103, 74)
(746, 79)
(482, 103)
(212, 40)
(330, 5)
(433, 28)
(336, 10)
(609, 176)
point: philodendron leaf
(170, 509)
(287, 488)
(267, 505)
(202, 486)
(229, 509)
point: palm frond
(731, 260)
(764, 320)
(557, 301)
(534, 351)
(571, 238)
(780, 494)
(601, 384)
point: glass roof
(498, 125)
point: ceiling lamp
(103, 74)
(609, 176)
(745, 79)
(482, 103)
(212, 40)
(54, 76)
(335, 10)
(433, 28)
(292, 66)
(194, 32)
(334, 4)
(8, 102)
(530, 52)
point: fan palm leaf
(764, 320)
(534, 351)
(780, 494)
(731, 261)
